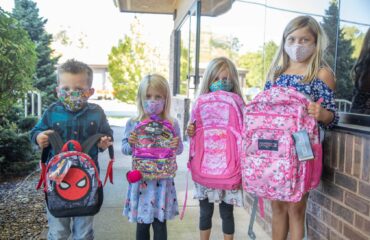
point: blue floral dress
(147, 200)
(315, 90)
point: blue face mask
(221, 84)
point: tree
(17, 61)
(258, 64)
(184, 65)
(128, 62)
(27, 13)
(344, 61)
(229, 45)
(356, 37)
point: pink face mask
(153, 106)
(299, 52)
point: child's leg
(227, 216)
(83, 228)
(296, 213)
(159, 229)
(280, 220)
(205, 219)
(142, 231)
(59, 228)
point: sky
(101, 24)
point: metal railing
(35, 107)
(343, 105)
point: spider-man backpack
(71, 179)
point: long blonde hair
(158, 83)
(214, 68)
(281, 61)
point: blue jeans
(60, 228)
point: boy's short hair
(75, 67)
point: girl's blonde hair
(158, 83)
(281, 61)
(214, 68)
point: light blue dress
(146, 200)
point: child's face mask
(299, 52)
(74, 100)
(153, 106)
(223, 84)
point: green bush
(12, 115)
(17, 156)
(27, 123)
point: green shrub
(27, 123)
(12, 115)
(17, 155)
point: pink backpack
(215, 148)
(270, 166)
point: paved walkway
(110, 224)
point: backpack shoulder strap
(56, 143)
(89, 143)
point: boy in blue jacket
(72, 117)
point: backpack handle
(72, 145)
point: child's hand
(175, 142)
(42, 138)
(133, 139)
(319, 113)
(316, 111)
(191, 130)
(105, 142)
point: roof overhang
(209, 7)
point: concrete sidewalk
(110, 224)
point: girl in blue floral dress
(151, 202)
(299, 64)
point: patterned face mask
(221, 84)
(299, 52)
(74, 100)
(152, 107)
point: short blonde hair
(214, 68)
(160, 84)
(281, 61)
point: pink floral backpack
(152, 155)
(270, 165)
(215, 149)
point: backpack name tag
(303, 145)
(266, 144)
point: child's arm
(325, 112)
(104, 128)
(178, 141)
(191, 129)
(38, 133)
(128, 134)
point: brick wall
(340, 207)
